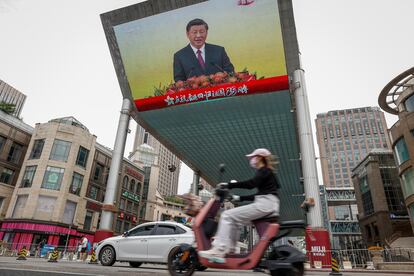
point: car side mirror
(125, 234)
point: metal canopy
(207, 134)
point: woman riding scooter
(266, 203)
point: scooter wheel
(180, 263)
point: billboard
(201, 52)
(213, 121)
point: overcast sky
(55, 52)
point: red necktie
(200, 59)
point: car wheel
(107, 256)
(135, 264)
(179, 262)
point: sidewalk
(364, 271)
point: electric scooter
(278, 260)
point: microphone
(191, 71)
(218, 67)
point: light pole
(67, 239)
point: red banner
(212, 93)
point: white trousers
(231, 220)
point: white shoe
(214, 255)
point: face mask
(253, 162)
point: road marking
(49, 271)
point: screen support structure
(196, 182)
(307, 149)
(317, 238)
(109, 206)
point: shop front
(17, 234)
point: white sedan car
(146, 243)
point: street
(9, 266)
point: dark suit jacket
(186, 64)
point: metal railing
(360, 258)
(33, 250)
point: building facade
(60, 190)
(344, 138)
(10, 95)
(15, 136)
(169, 164)
(383, 217)
(397, 98)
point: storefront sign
(134, 173)
(131, 196)
(318, 247)
(93, 206)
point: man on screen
(200, 58)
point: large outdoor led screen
(241, 53)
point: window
(367, 203)
(165, 230)
(88, 220)
(82, 158)
(142, 230)
(401, 151)
(98, 172)
(139, 188)
(179, 230)
(132, 187)
(122, 204)
(76, 185)
(19, 206)
(366, 196)
(1, 203)
(411, 209)
(15, 153)
(45, 207)
(129, 206)
(37, 149)
(408, 182)
(118, 226)
(53, 178)
(409, 103)
(60, 150)
(392, 188)
(69, 212)
(6, 176)
(125, 182)
(127, 225)
(93, 192)
(28, 176)
(2, 142)
(146, 138)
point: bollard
(22, 254)
(335, 268)
(54, 256)
(93, 258)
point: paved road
(9, 266)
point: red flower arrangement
(203, 81)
